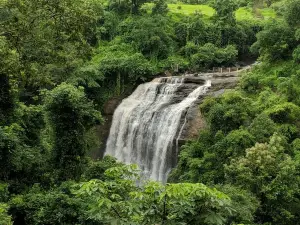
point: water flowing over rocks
(150, 125)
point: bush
(228, 113)
(284, 113)
(209, 55)
(275, 42)
(69, 115)
(160, 7)
(5, 219)
(174, 62)
(296, 54)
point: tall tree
(52, 38)
(225, 19)
(8, 73)
(291, 14)
(225, 11)
(273, 177)
(70, 115)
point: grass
(244, 14)
(191, 9)
(241, 14)
(268, 13)
(207, 11)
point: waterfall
(146, 126)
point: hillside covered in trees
(62, 60)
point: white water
(147, 124)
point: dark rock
(111, 105)
(194, 80)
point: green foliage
(266, 102)
(296, 147)
(191, 29)
(4, 193)
(23, 155)
(235, 143)
(225, 20)
(96, 169)
(5, 219)
(110, 200)
(130, 67)
(292, 13)
(296, 54)
(126, 6)
(175, 62)
(203, 161)
(121, 67)
(9, 145)
(6, 99)
(274, 42)
(280, 46)
(190, 49)
(209, 55)
(273, 76)
(265, 170)
(119, 200)
(289, 86)
(31, 119)
(52, 207)
(268, 99)
(190, 160)
(250, 83)
(8, 72)
(244, 204)
(149, 35)
(160, 7)
(70, 115)
(225, 11)
(121, 7)
(260, 160)
(262, 127)
(297, 35)
(109, 25)
(227, 113)
(284, 113)
(194, 29)
(51, 38)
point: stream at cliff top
(146, 126)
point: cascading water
(146, 126)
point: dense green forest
(61, 60)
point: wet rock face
(103, 129)
(194, 119)
(183, 91)
(111, 105)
